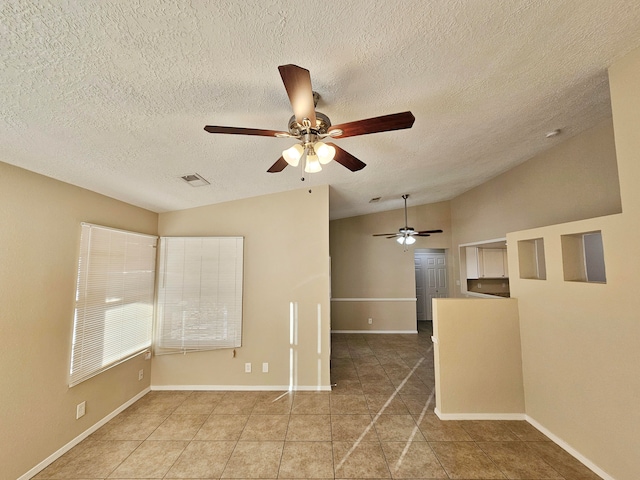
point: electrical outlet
(247, 368)
(265, 367)
(81, 409)
(370, 321)
(140, 374)
(479, 285)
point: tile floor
(378, 422)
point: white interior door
(431, 282)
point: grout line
(375, 419)
(413, 433)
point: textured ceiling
(113, 95)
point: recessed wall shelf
(531, 259)
(583, 257)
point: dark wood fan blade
(385, 234)
(297, 82)
(278, 166)
(395, 121)
(429, 231)
(421, 235)
(241, 131)
(346, 159)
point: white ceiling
(113, 95)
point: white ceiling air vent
(195, 180)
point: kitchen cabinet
(473, 271)
(486, 263)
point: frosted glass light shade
(325, 152)
(406, 240)
(313, 164)
(293, 155)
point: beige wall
(39, 237)
(477, 358)
(574, 180)
(367, 267)
(286, 259)
(580, 340)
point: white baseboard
(54, 456)
(570, 450)
(243, 388)
(374, 331)
(479, 416)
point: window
(199, 294)
(114, 299)
(583, 257)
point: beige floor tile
(152, 459)
(412, 460)
(413, 386)
(137, 426)
(159, 402)
(236, 403)
(488, 431)
(254, 460)
(351, 428)
(306, 460)
(379, 388)
(386, 404)
(179, 427)
(342, 362)
(309, 428)
(525, 431)
(348, 404)
(274, 403)
(372, 378)
(366, 360)
(517, 460)
(311, 404)
(368, 369)
(346, 387)
(363, 460)
(95, 459)
(401, 428)
(416, 403)
(436, 430)
(344, 373)
(564, 463)
(222, 427)
(200, 403)
(202, 460)
(265, 427)
(465, 460)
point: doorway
(431, 280)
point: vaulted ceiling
(113, 95)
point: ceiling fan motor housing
(322, 126)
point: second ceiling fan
(310, 127)
(406, 235)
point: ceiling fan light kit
(310, 127)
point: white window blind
(114, 299)
(199, 303)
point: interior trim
(244, 388)
(373, 299)
(570, 450)
(57, 454)
(374, 331)
(479, 416)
